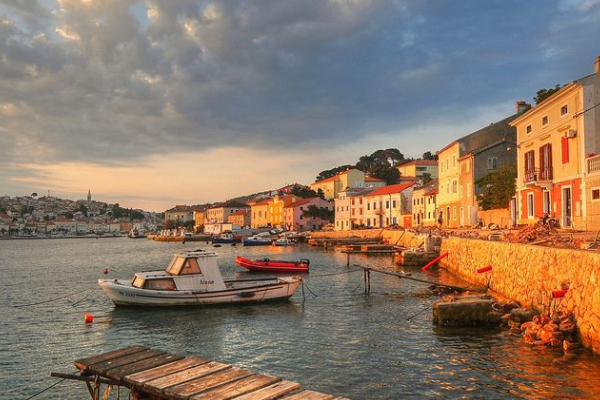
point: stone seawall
(529, 274)
(359, 233)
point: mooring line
(51, 300)
(44, 390)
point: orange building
(277, 206)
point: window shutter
(565, 149)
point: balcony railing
(593, 164)
(538, 175)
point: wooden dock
(154, 374)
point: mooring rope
(51, 300)
(46, 389)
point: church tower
(89, 196)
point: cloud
(112, 82)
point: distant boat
(224, 238)
(135, 234)
(256, 241)
(194, 278)
(267, 265)
(284, 242)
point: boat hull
(222, 240)
(256, 242)
(272, 266)
(123, 294)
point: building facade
(260, 214)
(332, 186)
(388, 206)
(295, 214)
(241, 218)
(276, 209)
(418, 168)
(558, 167)
(424, 206)
(220, 213)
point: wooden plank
(340, 398)
(83, 363)
(212, 381)
(271, 392)
(144, 365)
(186, 375)
(309, 395)
(164, 370)
(237, 388)
(101, 367)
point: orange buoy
(484, 269)
(88, 318)
(559, 293)
(106, 271)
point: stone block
(465, 312)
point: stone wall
(358, 233)
(501, 217)
(529, 274)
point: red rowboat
(267, 265)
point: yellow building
(558, 164)
(260, 214)
(332, 186)
(199, 219)
(418, 168)
(424, 205)
(277, 206)
(448, 177)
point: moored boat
(224, 238)
(284, 242)
(267, 265)
(194, 278)
(256, 241)
(135, 234)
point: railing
(593, 164)
(538, 174)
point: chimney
(521, 106)
(597, 65)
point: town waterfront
(340, 342)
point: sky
(155, 103)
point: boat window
(175, 266)
(160, 284)
(190, 267)
(138, 282)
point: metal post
(347, 259)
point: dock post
(347, 259)
(369, 280)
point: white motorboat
(284, 242)
(194, 278)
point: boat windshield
(175, 265)
(138, 282)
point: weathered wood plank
(212, 381)
(164, 370)
(83, 363)
(237, 388)
(144, 365)
(101, 367)
(271, 392)
(309, 395)
(185, 375)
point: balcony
(593, 164)
(538, 177)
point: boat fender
(106, 271)
(88, 318)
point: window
(530, 209)
(529, 162)
(528, 129)
(545, 120)
(468, 189)
(387, 204)
(393, 203)
(454, 213)
(546, 201)
(368, 206)
(595, 194)
(564, 110)
(462, 191)
(564, 141)
(454, 161)
(492, 162)
(447, 164)
(374, 205)
(454, 186)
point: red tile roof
(390, 189)
(240, 212)
(262, 202)
(301, 202)
(333, 178)
(371, 179)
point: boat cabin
(191, 270)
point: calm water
(340, 342)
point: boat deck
(155, 374)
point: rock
(511, 305)
(514, 324)
(551, 327)
(555, 342)
(569, 346)
(522, 314)
(505, 318)
(567, 326)
(527, 325)
(494, 317)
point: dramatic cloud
(110, 82)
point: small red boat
(266, 265)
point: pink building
(294, 217)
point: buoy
(559, 293)
(484, 269)
(88, 318)
(433, 262)
(106, 271)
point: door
(513, 211)
(546, 201)
(566, 207)
(462, 216)
(447, 216)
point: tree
(303, 191)
(332, 172)
(498, 188)
(387, 173)
(320, 194)
(429, 156)
(319, 212)
(543, 94)
(83, 209)
(136, 215)
(426, 177)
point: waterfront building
(66, 225)
(476, 155)
(389, 205)
(424, 206)
(219, 213)
(559, 157)
(417, 169)
(241, 218)
(349, 210)
(260, 213)
(332, 186)
(199, 219)
(179, 215)
(276, 207)
(295, 214)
